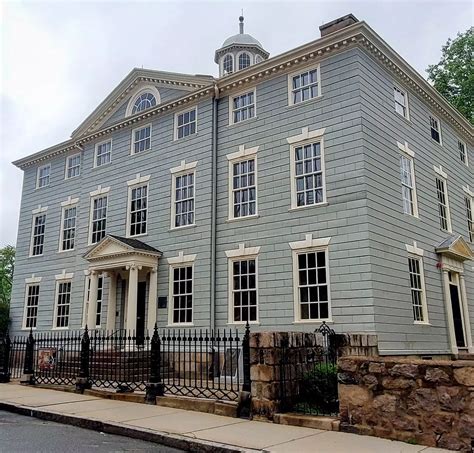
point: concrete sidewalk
(192, 431)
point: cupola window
(143, 102)
(228, 64)
(244, 60)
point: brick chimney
(337, 24)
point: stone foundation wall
(425, 402)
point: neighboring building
(331, 182)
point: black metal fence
(198, 363)
(308, 374)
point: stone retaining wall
(425, 402)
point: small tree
(453, 76)
(7, 262)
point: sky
(60, 59)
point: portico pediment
(455, 247)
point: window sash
(244, 290)
(99, 218)
(44, 175)
(100, 292)
(243, 107)
(37, 238)
(63, 300)
(400, 102)
(462, 152)
(73, 166)
(141, 139)
(31, 306)
(184, 200)
(417, 289)
(304, 86)
(228, 64)
(143, 102)
(470, 219)
(182, 294)
(406, 175)
(443, 209)
(138, 210)
(244, 188)
(309, 174)
(186, 124)
(435, 131)
(104, 153)
(244, 60)
(68, 228)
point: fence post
(5, 345)
(243, 409)
(154, 387)
(82, 380)
(28, 371)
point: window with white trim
(401, 102)
(435, 129)
(244, 188)
(312, 282)
(31, 306)
(43, 176)
(141, 139)
(407, 175)
(37, 234)
(462, 152)
(181, 294)
(103, 153)
(183, 199)
(68, 229)
(186, 123)
(307, 162)
(63, 301)
(228, 64)
(417, 288)
(100, 288)
(144, 101)
(138, 209)
(73, 166)
(243, 281)
(242, 107)
(443, 205)
(244, 60)
(304, 86)
(98, 218)
(470, 218)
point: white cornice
(306, 135)
(182, 258)
(309, 243)
(468, 191)
(439, 170)
(138, 180)
(414, 249)
(242, 152)
(64, 275)
(404, 148)
(70, 201)
(33, 279)
(99, 191)
(39, 209)
(242, 251)
(183, 167)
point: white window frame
(62, 278)
(68, 167)
(234, 158)
(405, 96)
(29, 282)
(241, 254)
(431, 116)
(408, 154)
(40, 211)
(139, 181)
(305, 138)
(469, 209)
(38, 176)
(466, 158)
(233, 64)
(442, 176)
(231, 106)
(414, 252)
(102, 194)
(237, 60)
(142, 90)
(97, 150)
(310, 245)
(182, 169)
(99, 300)
(302, 71)
(132, 149)
(68, 204)
(176, 263)
(176, 127)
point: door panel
(141, 301)
(457, 316)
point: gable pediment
(111, 246)
(456, 247)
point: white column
(152, 292)
(112, 302)
(132, 297)
(449, 312)
(465, 312)
(92, 309)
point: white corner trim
(33, 279)
(70, 201)
(305, 135)
(439, 171)
(39, 209)
(242, 251)
(414, 249)
(468, 191)
(242, 152)
(64, 275)
(309, 242)
(404, 148)
(182, 258)
(183, 167)
(99, 191)
(138, 180)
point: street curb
(170, 440)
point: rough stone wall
(425, 402)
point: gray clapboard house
(330, 182)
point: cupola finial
(241, 23)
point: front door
(141, 301)
(457, 315)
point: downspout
(212, 308)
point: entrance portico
(115, 255)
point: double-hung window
(98, 218)
(100, 289)
(181, 294)
(63, 301)
(37, 234)
(443, 204)
(463, 152)
(242, 107)
(43, 176)
(138, 209)
(141, 139)
(401, 102)
(304, 86)
(435, 129)
(407, 175)
(103, 153)
(244, 188)
(243, 283)
(68, 228)
(470, 217)
(185, 124)
(73, 166)
(183, 199)
(417, 288)
(31, 306)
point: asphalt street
(20, 434)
